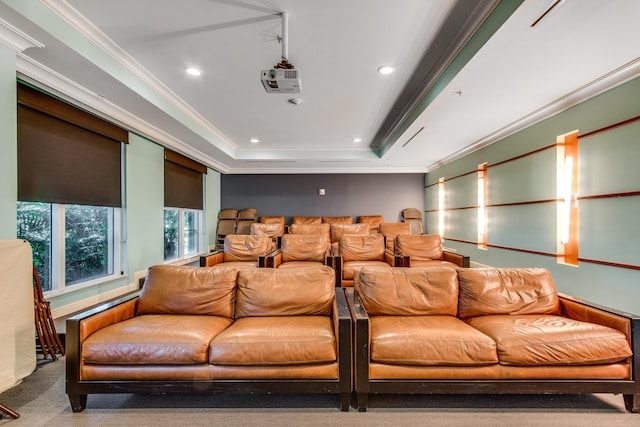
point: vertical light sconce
(482, 205)
(567, 185)
(568, 214)
(441, 207)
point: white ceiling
(126, 59)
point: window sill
(84, 285)
(183, 261)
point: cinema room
(298, 212)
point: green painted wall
(8, 153)
(144, 203)
(609, 227)
(212, 207)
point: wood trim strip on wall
(606, 128)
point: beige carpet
(41, 401)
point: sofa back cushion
(285, 292)
(188, 290)
(353, 247)
(242, 247)
(337, 220)
(400, 291)
(337, 230)
(506, 291)
(306, 220)
(420, 247)
(303, 247)
(321, 229)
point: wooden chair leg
(13, 414)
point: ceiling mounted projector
(278, 80)
(283, 77)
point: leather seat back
(422, 247)
(301, 247)
(241, 247)
(369, 247)
(400, 291)
(506, 291)
(267, 292)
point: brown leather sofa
(469, 331)
(207, 330)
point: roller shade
(183, 182)
(66, 155)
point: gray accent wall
(345, 194)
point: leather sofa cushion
(174, 339)
(368, 247)
(351, 269)
(306, 220)
(506, 291)
(552, 340)
(285, 292)
(278, 340)
(420, 247)
(373, 220)
(429, 340)
(338, 230)
(301, 247)
(301, 264)
(408, 291)
(188, 290)
(337, 220)
(432, 263)
(271, 229)
(321, 229)
(242, 247)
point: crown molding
(80, 23)
(621, 75)
(15, 39)
(97, 104)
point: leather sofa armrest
(262, 259)
(360, 318)
(274, 259)
(337, 267)
(627, 323)
(80, 326)
(577, 309)
(343, 326)
(212, 258)
(393, 259)
(458, 259)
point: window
(69, 191)
(183, 201)
(72, 245)
(181, 233)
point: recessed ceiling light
(385, 69)
(193, 71)
(254, 140)
(357, 140)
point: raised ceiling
(467, 73)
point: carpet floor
(41, 401)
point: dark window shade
(40, 101)
(59, 162)
(182, 187)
